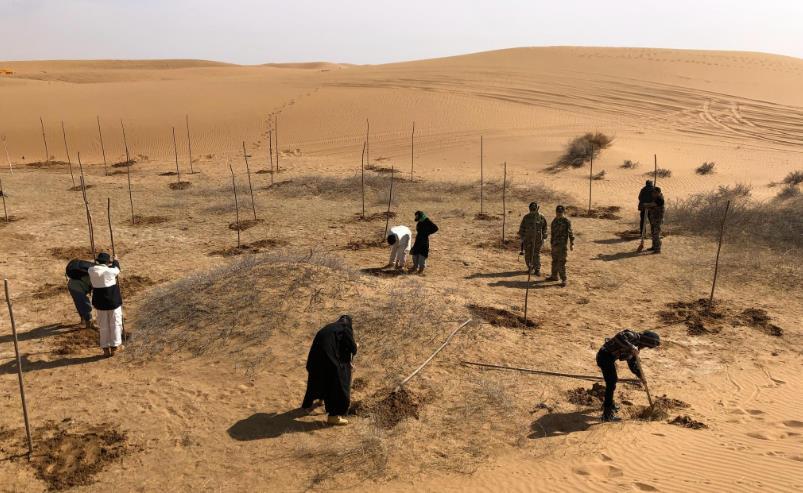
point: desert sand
(203, 396)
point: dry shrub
(607, 212)
(793, 178)
(706, 168)
(788, 192)
(599, 176)
(660, 173)
(687, 421)
(628, 164)
(582, 149)
(179, 185)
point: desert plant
(582, 149)
(788, 192)
(706, 168)
(628, 164)
(793, 178)
(599, 176)
(660, 172)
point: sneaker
(337, 421)
(88, 324)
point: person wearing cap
(644, 197)
(329, 370)
(624, 346)
(532, 233)
(424, 227)
(108, 302)
(399, 240)
(655, 214)
(561, 240)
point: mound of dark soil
(499, 317)
(179, 185)
(168, 173)
(147, 220)
(759, 319)
(587, 397)
(47, 164)
(134, 284)
(382, 272)
(609, 212)
(388, 409)
(364, 244)
(78, 188)
(686, 421)
(71, 252)
(379, 169)
(660, 409)
(700, 318)
(374, 217)
(11, 219)
(67, 455)
(76, 339)
(254, 247)
(244, 225)
(124, 164)
(481, 216)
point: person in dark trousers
(655, 214)
(329, 370)
(644, 197)
(424, 227)
(108, 302)
(624, 346)
(80, 287)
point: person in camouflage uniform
(533, 233)
(655, 214)
(561, 238)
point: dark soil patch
(686, 421)
(383, 272)
(78, 188)
(71, 252)
(379, 169)
(388, 409)
(118, 172)
(76, 339)
(254, 247)
(49, 290)
(66, 457)
(179, 185)
(278, 184)
(374, 217)
(659, 410)
(364, 244)
(168, 173)
(359, 383)
(508, 245)
(134, 284)
(11, 219)
(587, 397)
(630, 234)
(148, 220)
(499, 317)
(124, 164)
(244, 225)
(758, 318)
(700, 318)
(481, 216)
(609, 212)
(47, 164)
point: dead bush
(793, 178)
(599, 176)
(628, 164)
(788, 192)
(660, 173)
(582, 149)
(706, 168)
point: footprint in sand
(793, 423)
(755, 412)
(759, 435)
(645, 487)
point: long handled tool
(642, 218)
(425, 363)
(592, 378)
(644, 380)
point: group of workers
(400, 238)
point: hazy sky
(377, 31)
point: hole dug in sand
(388, 409)
(71, 252)
(147, 220)
(179, 185)
(373, 217)
(78, 188)
(701, 319)
(586, 397)
(76, 339)
(686, 421)
(11, 219)
(659, 410)
(255, 247)
(499, 317)
(481, 216)
(69, 455)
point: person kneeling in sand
(329, 370)
(108, 302)
(399, 240)
(624, 346)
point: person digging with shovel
(624, 346)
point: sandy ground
(478, 430)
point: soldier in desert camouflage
(562, 240)
(533, 233)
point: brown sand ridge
(205, 394)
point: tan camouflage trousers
(532, 254)
(559, 255)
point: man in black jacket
(108, 302)
(624, 346)
(329, 369)
(644, 197)
(424, 227)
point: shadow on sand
(27, 365)
(494, 275)
(272, 425)
(523, 284)
(559, 424)
(619, 256)
(40, 332)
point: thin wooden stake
(482, 181)
(504, 202)
(716, 262)
(3, 194)
(128, 173)
(276, 130)
(250, 188)
(175, 152)
(19, 369)
(111, 231)
(390, 201)
(655, 173)
(8, 157)
(86, 205)
(367, 142)
(531, 254)
(236, 204)
(362, 179)
(412, 152)
(590, 179)
(189, 142)
(67, 151)
(644, 380)
(270, 148)
(44, 139)
(103, 149)
(440, 348)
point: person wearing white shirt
(399, 240)
(108, 302)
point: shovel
(644, 380)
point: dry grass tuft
(179, 185)
(788, 192)
(660, 173)
(599, 176)
(582, 149)
(500, 317)
(793, 178)
(149, 220)
(706, 168)
(608, 212)
(628, 164)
